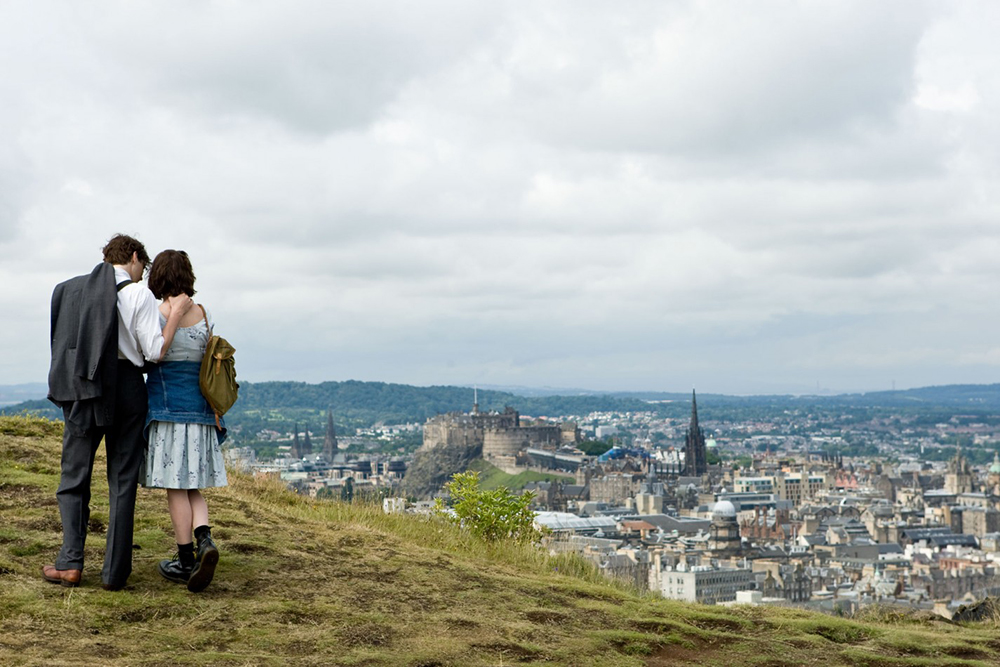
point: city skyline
(776, 198)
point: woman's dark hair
(171, 275)
(120, 248)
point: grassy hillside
(491, 477)
(323, 583)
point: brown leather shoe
(69, 578)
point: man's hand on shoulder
(179, 305)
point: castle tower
(695, 450)
(330, 440)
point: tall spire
(475, 399)
(695, 450)
(296, 452)
(330, 440)
(694, 411)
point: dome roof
(724, 509)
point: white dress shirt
(140, 337)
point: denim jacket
(174, 396)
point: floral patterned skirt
(183, 456)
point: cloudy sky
(738, 197)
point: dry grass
(323, 583)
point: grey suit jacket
(84, 337)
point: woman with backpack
(185, 440)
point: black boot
(179, 568)
(205, 561)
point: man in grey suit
(104, 327)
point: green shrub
(497, 515)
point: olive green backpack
(217, 378)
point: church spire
(694, 411)
(695, 449)
(330, 440)
(296, 452)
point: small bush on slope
(497, 515)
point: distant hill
(367, 403)
(371, 402)
(309, 582)
(11, 394)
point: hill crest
(321, 582)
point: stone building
(784, 580)
(993, 477)
(724, 533)
(768, 525)
(979, 521)
(499, 435)
(959, 478)
(615, 488)
(707, 584)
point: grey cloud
(315, 67)
(723, 78)
(632, 196)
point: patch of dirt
(965, 652)
(467, 581)
(367, 634)
(15, 491)
(588, 595)
(840, 635)
(417, 600)
(300, 617)
(105, 650)
(657, 627)
(247, 548)
(675, 655)
(461, 623)
(96, 526)
(717, 624)
(546, 617)
(140, 615)
(299, 648)
(49, 524)
(508, 651)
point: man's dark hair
(120, 248)
(171, 275)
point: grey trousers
(124, 444)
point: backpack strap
(123, 284)
(207, 325)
